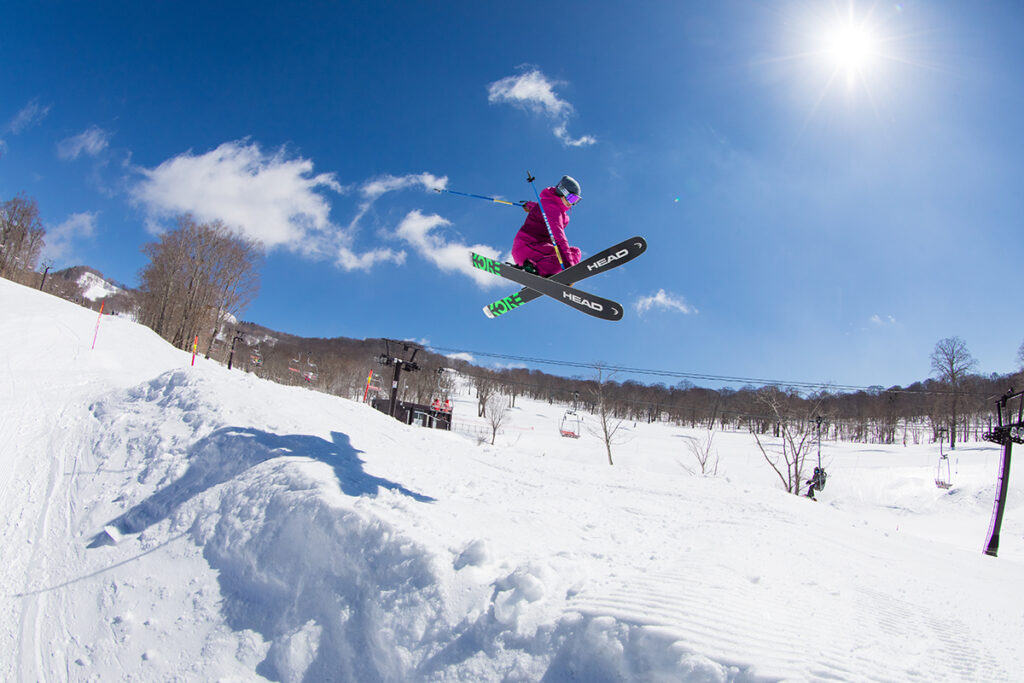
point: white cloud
(878, 320)
(350, 260)
(268, 197)
(422, 234)
(534, 92)
(664, 300)
(59, 240)
(31, 114)
(375, 188)
(462, 355)
(531, 90)
(563, 135)
(92, 141)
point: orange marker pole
(195, 345)
(366, 392)
(96, 333)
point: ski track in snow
(168, 522)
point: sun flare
(851, 49)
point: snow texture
(168, 522)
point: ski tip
(488, 313)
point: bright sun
(851, 49)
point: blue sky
(827, 188)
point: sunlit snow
(168, 522)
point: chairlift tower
(1008, 431)
(231, 355)
(399, 364)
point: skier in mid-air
(533, 248)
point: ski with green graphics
(588, 303)
(603, 261)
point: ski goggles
(572, 198)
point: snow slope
(168, 522)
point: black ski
(611, 257)
(591, 304)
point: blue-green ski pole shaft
(480, 196)
(551, 234)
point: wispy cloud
(29, 115)
(424, 233)
(92, 141)
(880, 321)
(374, 188)
(534, 92)
(61, 238)
(666, 301)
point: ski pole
(530, 179)
(480, 196)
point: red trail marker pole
(96, 333)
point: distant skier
(817, 482)
(533, 245)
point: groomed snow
(168, 522)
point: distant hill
(87, 286)
(94, 287)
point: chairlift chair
(570, 425)
(943, 478)
(310, 375)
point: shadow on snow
(230, 451)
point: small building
(416, 413)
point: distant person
(533, 248)
(817, 482)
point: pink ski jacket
(532, 240)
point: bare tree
(497, 412)
(608, 424)
(21, 237)
(198, 273)
(951, 364)
(485, 388)
(1020, 357)
(234, 276)
(701, 450)
(795, 427)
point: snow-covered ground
(95, 288)
(168, 522)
